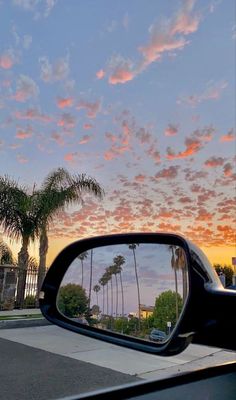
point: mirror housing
(204, 319)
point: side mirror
(150, 292)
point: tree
(82, 257)
(96, 289)
(18, 221)
(227, 270)
(91, 276)
(174, 266)
(164, 309)
(72, 300)
(59, 190)
(118, 262)
(102, 282)
(133, 247)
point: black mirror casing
(203, 318)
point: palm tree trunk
(43, 249)
(107, 301)
(116, 295)
(111, 298)
(176, 285)
(185, 283)
(136, 275)
(91, 277)
(122, 295)
(103, 299)
(23, 257)
(82, 273)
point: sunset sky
(138, 94)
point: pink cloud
(193, 145)
(85, 139)
(229, 137)
(25, 89)
(171, 130)
(100, 74)
(57, 71)
(64, 102)
(32, 114)
(92, 109)
(6, 61)
(58, 138)
(228, 169)
(140, 178)
(21, 159)
(87, 126)
(121, 75)
(214, 162)
(213, 91)
(168, 173)
(70, 157)
(24, 134)
(67, 121)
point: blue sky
(140, 96)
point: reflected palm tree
(182, 265)
(96, 289)
(174, 266)
(132, 247)
(81, 257)
(118, 262)
(91, 276)
(109, 272)
(102, 282)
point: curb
(23, 323)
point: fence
(10, 295)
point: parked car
(157, 335)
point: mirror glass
(134, 289)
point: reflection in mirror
(136, 289)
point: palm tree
(181, 264)
(59, 189)
(81, 257)
(109, 272)
(102, 282)
(18, 221)
(96, 289)
(118, 262)
(132, 247)
(174, 266)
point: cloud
(64, 102)
(7, 60)
(213, 91)
(143, 135)
(192, 144)
(67, 121)
(24, 134)
(58, 138)
(168, 173)
(154, 154)
(214, 162)
(32, 114)
(100, 74)
(57, 71)
(203, 215)
(228, 169)
(25, 89)
(165, 36)
(229, 137)
(87, 126)
(40, 8)
(92, 109)
(21, 159)
(85, 139)
(171, 130)
(140, 178)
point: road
(48, 362)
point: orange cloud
(67, 121)
(85, 139)
(140, 178)
(64, 102)
(168, 173)
(70, 157)
(229, 137)
(193, 145)
(204, 215)
(171, 130)
(87, 126)
(214, 162)
(58, 138)
(121, 75)
(32, 114)
(92, 109)
(228, 169)
(6, 61)
(100, 74)
(24, 134)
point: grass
(15, 317)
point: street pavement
(74, 346)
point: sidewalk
(23, 318)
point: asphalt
(27, 373)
